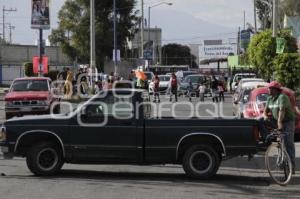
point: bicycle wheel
(278, 164)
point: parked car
(240, 103)
(92, 134)
(238, 76)
(29, 95)
(246, 80)
(164, 81)
(195, 79)
(181, 75)
(257, 101)
(248, 83)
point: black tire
(206, 158)
(44, 159)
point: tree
(290, 7)
(287, 68)
(264, 14)
(262, 51)
(73, 32)
(176, 54)
(286, 7)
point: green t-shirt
(278, 102)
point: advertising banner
(40, 15)
(36, 64)
(216, 51)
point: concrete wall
(12, 58)
(18, 54)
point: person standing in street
(214, 89)
(221, 91)
(190, 90)
(156, 89)
(201, 92)
(174, 87)
(283, 116)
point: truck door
(105, 130)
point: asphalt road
(236, 178)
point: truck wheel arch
(41, 134)
(199, 138)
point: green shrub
(287, 67)
(28, 69)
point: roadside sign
(36, 64)
(148, 54)
(118, 55)
(280, 45)
(245, 38)
(40, 18)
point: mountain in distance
(180, 27)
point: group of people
(173, 88)
(70, 83)
(216, 87)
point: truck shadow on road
(161, 177)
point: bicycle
(276, 156)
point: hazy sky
(186, 21)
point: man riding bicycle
(283, 117)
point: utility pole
(41, 52)
(10, 32)
(149, 10)
(115, 36)
(142, 31)
(238, 42)
(92, 40)
(255, 21)
(3, 18)
(244, 20)
(275, 13)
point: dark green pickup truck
(116, 127)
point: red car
(257, 101)
(29, 95)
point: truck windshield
(30, 85)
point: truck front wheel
(44, 159)
(201, 162)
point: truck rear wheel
(201, 162)
(44, 159)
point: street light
(149, 11)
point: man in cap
(279, 105)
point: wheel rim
(201, 162)
(47, 159)
(279, 168)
